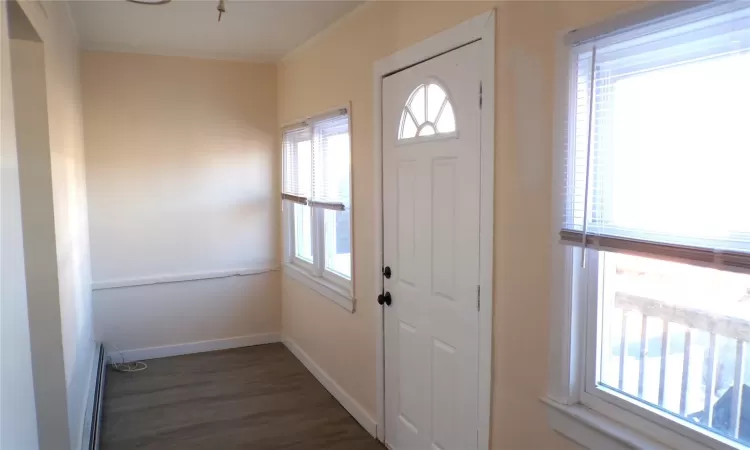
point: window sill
(593, 430)
(331, 291)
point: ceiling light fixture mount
(150, 2)
(221, 8)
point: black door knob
(385, 298)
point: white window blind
(297, 160)
(658, 144)
(331, 163)
(317, 163)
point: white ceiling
(249, 30)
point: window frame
(600, 398)
(315, 275)
(581, 331)
(575, 324)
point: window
(316, 200)
(428, 112)
(657, 212)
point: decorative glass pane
(435, 100)
(427, 130)
(417, 104)
(447, 121)
(427, 112)
(408, 127)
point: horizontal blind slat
(725, 260)
(294, 198)
(333, 206)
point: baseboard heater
(96, 419)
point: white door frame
(481, 27)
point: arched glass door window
(427, 112)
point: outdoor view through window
(673, 317)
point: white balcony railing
(685, 321)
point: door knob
(385, 298)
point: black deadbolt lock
(387, 272)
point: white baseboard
(351, 405)
(192, 347)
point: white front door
(431, 162)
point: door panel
(431, 243)
(444, 228)
(406, 221)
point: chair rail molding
(183, 277)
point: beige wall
(173, 314)
(71, 219)
(181, 175)
(18, 427)
(336, 67)
(58, 294)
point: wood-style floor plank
(253, 398)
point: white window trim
(315, 275)
(322, 286)
(584, 426)
(324, 282)
(594, 417)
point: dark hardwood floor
(253, 398)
